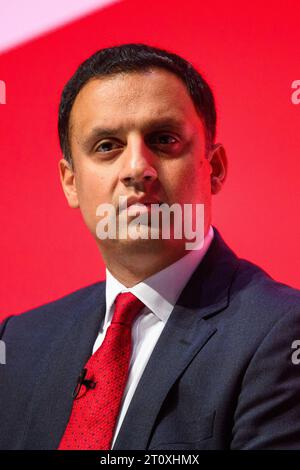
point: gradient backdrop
(250, 55)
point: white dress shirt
(159, 293)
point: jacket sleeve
(267, 414)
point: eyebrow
(152, 125)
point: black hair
(136, 57)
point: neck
(133, 266)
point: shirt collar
(160, 291)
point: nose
(139, 161)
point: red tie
(95, 411)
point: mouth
(142, 204)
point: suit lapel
(184, 335)
(174, 350)
(52, 397)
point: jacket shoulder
(256, 278)
(53, 311)
(262, 299)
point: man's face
(136, 134)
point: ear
(219, 164)
(67, 179)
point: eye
(163, 139)
(106, 146)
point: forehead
(132, 99)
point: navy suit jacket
(221, 375)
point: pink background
(249, 53)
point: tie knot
(127, 306)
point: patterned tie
(95, 411)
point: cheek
(92, 190)
(188, 177)
(91, 185)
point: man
(178, 349)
